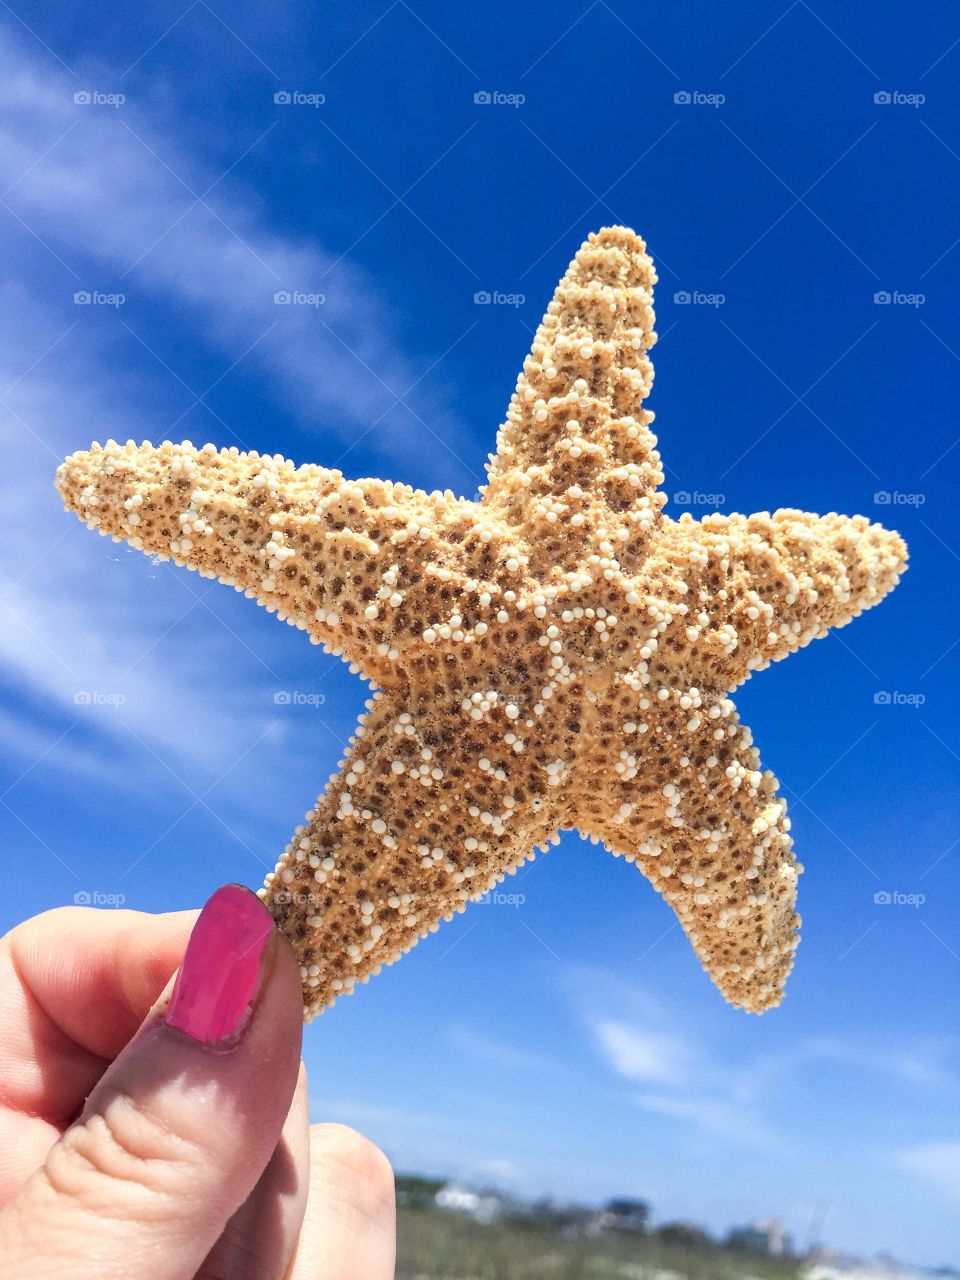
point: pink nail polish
(218, 981)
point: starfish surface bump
(555, 655)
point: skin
(129, 1150)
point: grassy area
(441, 1246)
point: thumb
(180, 1127)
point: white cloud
(718, 1117)
(741, 1098)
(692, 1089)
(99, 197)
(938, 1163)
(105, 189)
(643, 1055)
(683, 1081)
(76, 621)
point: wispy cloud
(740, 1097)
(643, 1055)
(496, 1052)
(922, 1064)
(717, 1117)
(679, 1079)
(83, 642)
(109, 201)
(104, 199)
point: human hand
(158, 1130)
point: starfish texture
(557, 654)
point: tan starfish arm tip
(354, 563)
(754, 589)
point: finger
(75, 984)
(177, 1132)
(260, 1238)
(350, 1224)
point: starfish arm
(354, 563)
(713, 839)
(576, 456)
(426, 814)
(757, 588)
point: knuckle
(123, 1144)
(355, 1168)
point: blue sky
(566, 1041)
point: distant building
(481, 1206)
(625, 1215)
(768, 1237)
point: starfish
(557, 654)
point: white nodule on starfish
(555, 655)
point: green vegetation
(445, 1246)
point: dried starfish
(555, 655)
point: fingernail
(222, 970)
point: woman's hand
(158, 1129)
